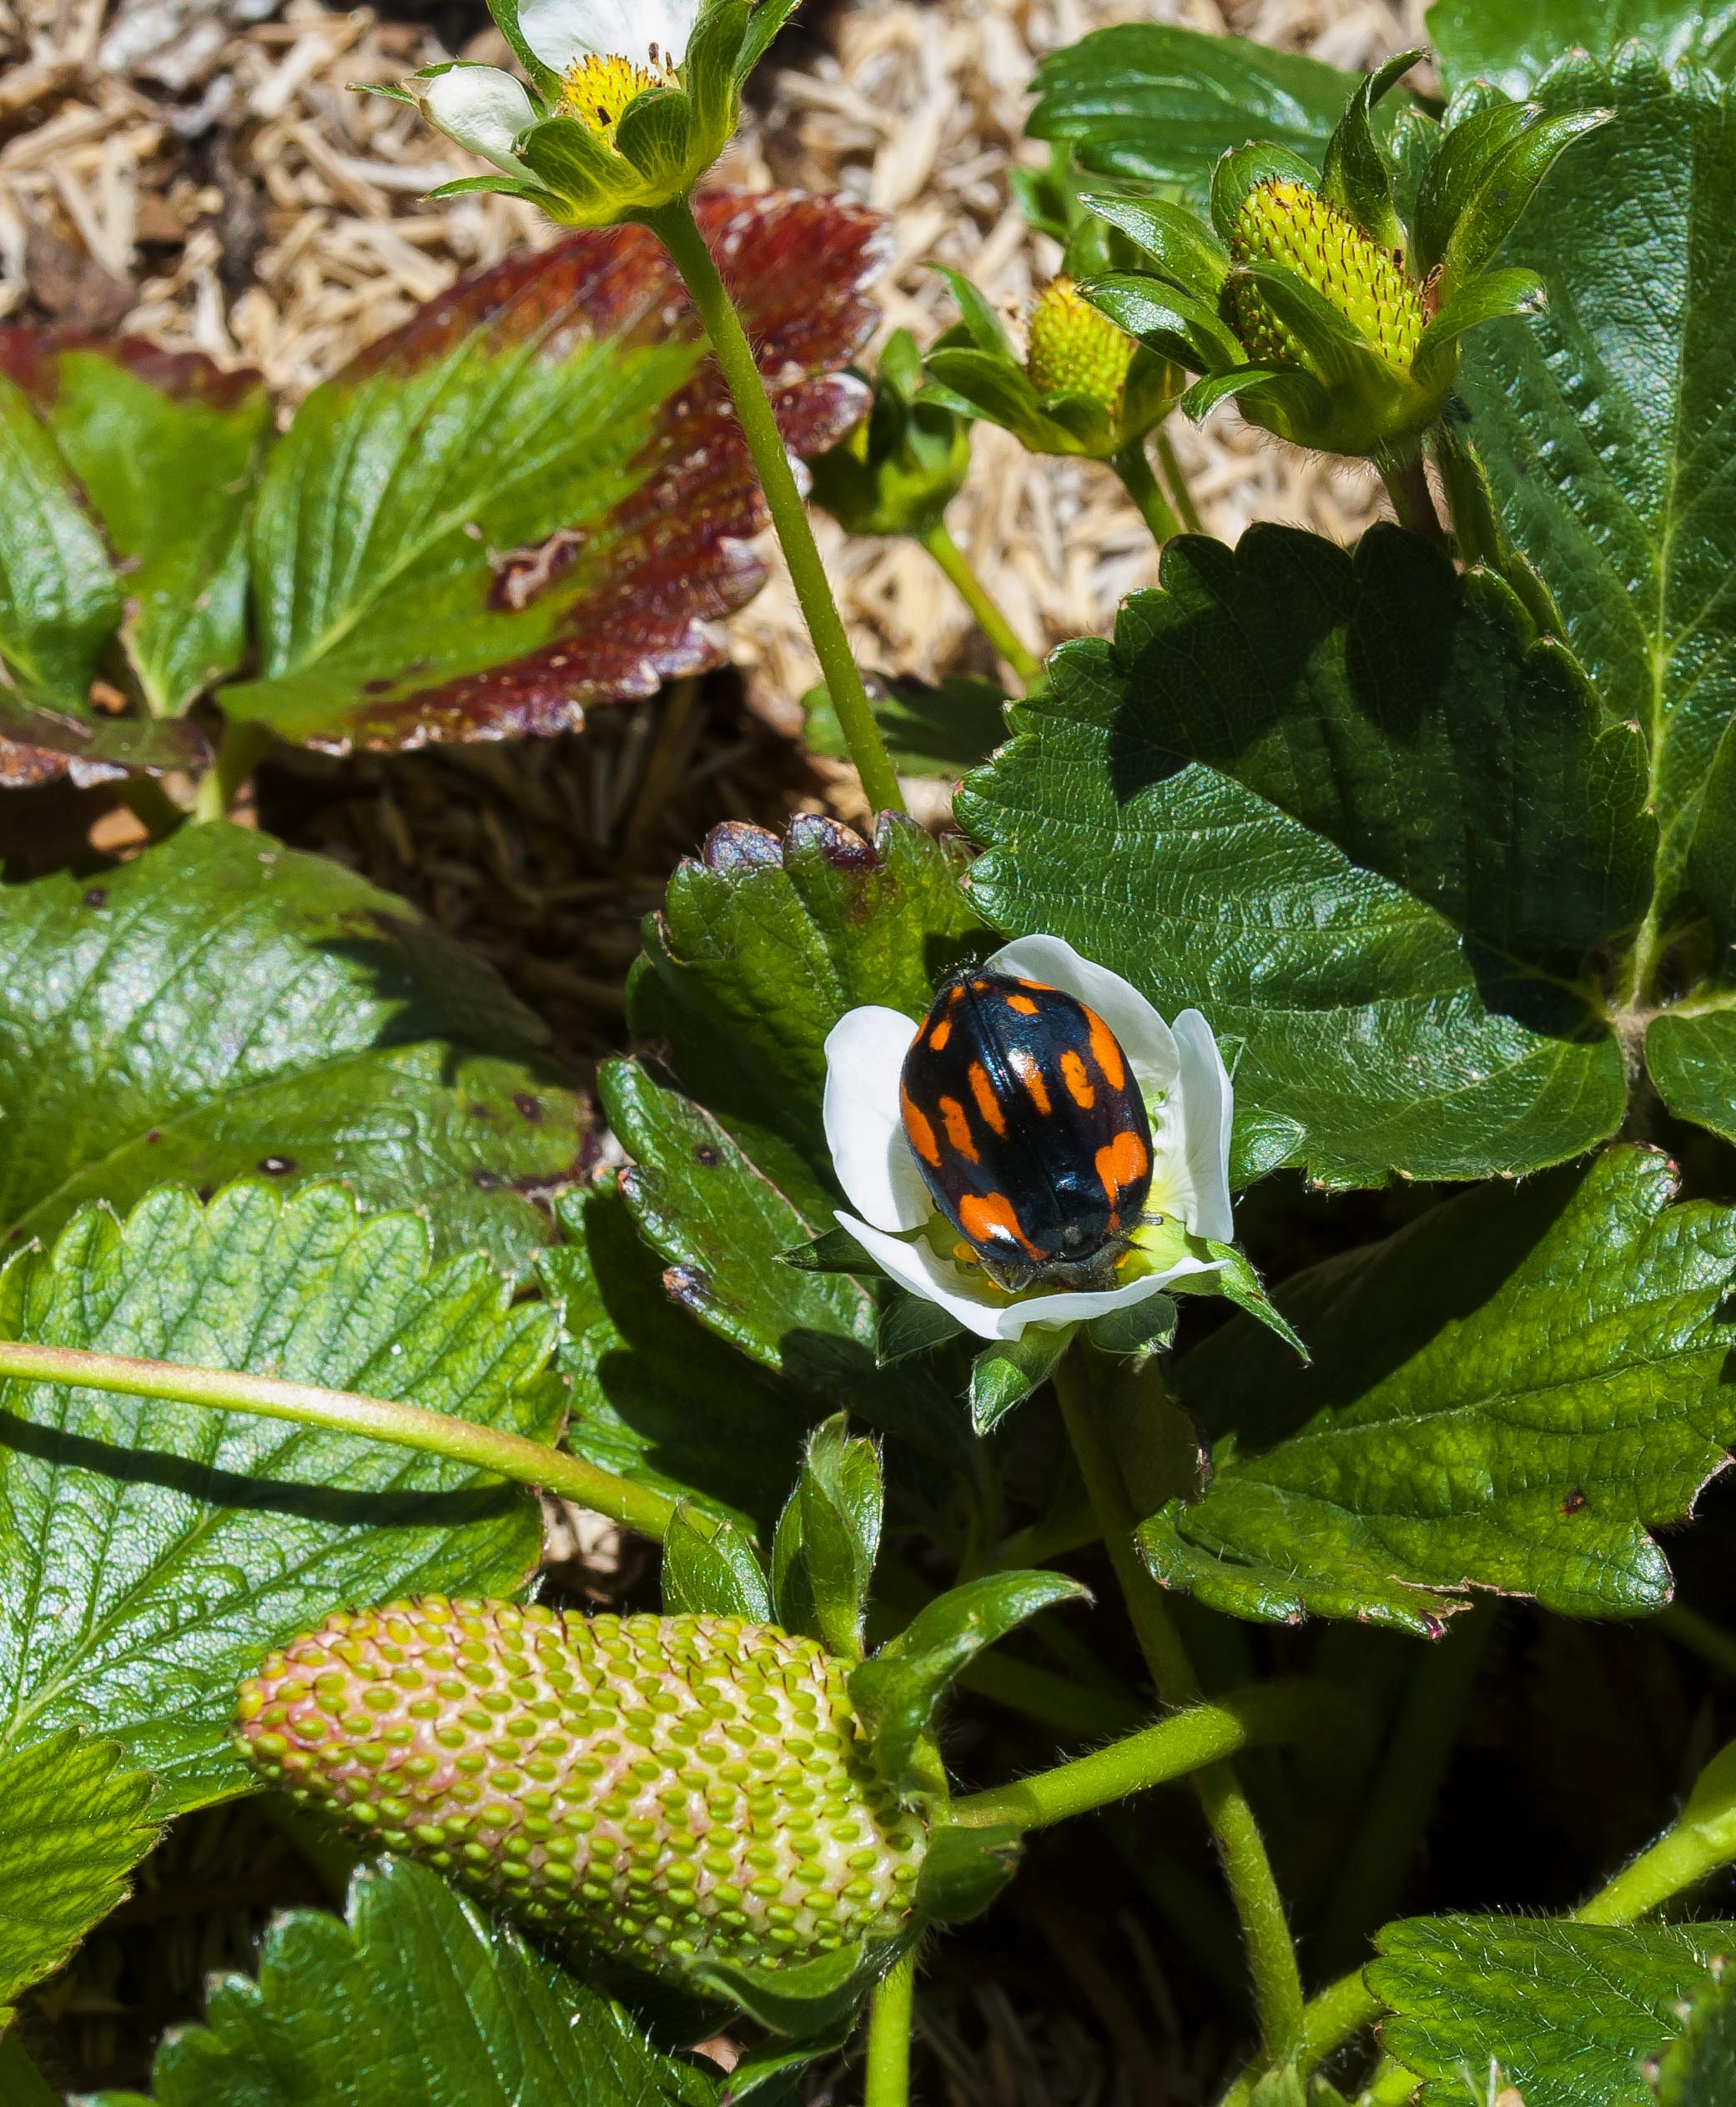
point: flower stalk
(675, 227)
(985, 611)
(888, 2080)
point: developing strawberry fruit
(1021, 1108)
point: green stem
(1411, 1775)
(982, 604)
(1408, 486)
(1176, 477)
(889, 2045)
(1341, 2010)
(244, 746)
(1140, 484)
(1272, 1955)
(1171, 1748)
(376, 1419)
(674, 226)
(1699, 1635)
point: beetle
(1027, 1125)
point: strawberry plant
(1172, 1335)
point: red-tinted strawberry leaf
(535, 495)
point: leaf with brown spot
(534, 496)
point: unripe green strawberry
(1282, 222)
(657, 1788)
(1075, 350)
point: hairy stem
(887, 2084)
(1175, 476)
(1140, 484)
(244, 746)
(377, 1419)
(1171, 1748)
(984, 608)
(1412, 499)
(674, 226)
(1272, 1955)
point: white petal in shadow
(980, 1307)
(1208, 1105)
(562, 32)
(1147, 1041)
(865, 1054)
(482, 108)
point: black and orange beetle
(1027, 1122)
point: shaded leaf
(535, 495)
(416, 2000)
(155, 1552)
(1144, 99)
(1514, 43)
(1568, 2012)
(828, 1536)
(928, 731)
(1699, 2069)
(72, 1826)
(40, 745)
(223, 1005)
(167, 450)
(1357, 813)
(1602, 423)
(655, 1396)
(1512, 1393)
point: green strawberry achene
(661, 1787)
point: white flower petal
(562, 31)
(483, 109)
(914, 1265)
(1208, 1104)
(865, 1054)
(1075, 1305)
(1146, 1040)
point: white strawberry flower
(1187, 1094)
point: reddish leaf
(606, 607)
(38, 746)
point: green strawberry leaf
(168, 450)
(1596, 423)
(72, 1825)
(152, 1553)
(224, 1005)
(762, 945)
(1352, 807)
(721, 1226)
(1163, 104)
(657, 1397)
(711, 1569)
(1567, 2013)
(414, 1999)
(1699, 2069)
(1511, 1394)
(1514, 43)
(827, 1538)
(928, 731)
(534, 496)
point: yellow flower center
(1281, 222)
(595, 90)
(1076, 350)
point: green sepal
(1339, 353)
(392, 91)
(1243, 169)
(1454, 176)
(1491, 298)
(1509, 182)
(500, 186)
(1137, 1330)
(1356, 178)
(1295, 400)
(804, 1999)
(711, 1569)
(713, 87)
(827, 1538)
(567, 158)
(1237, 1281)
(983, 327)
(965, 1869)
(896, 1694)
(903, 465)
(1007, 1372)
(763, 24)
(777, 2056)
(910, 1325)
(976, 383)
(1173, 324)
(653, 137)
(1176, 240)
(833, 1250)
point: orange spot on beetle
(1031, 1075)
(916, 1125)
(1079, 1084)
(1023, 1004)
(984, 1092)
(1120, 1164)
(1106, 1053)
(940, 1034)
(989, 1218)
(957, 1129)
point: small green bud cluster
(1282, 222)
(1075, 349)
(661, 1787)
